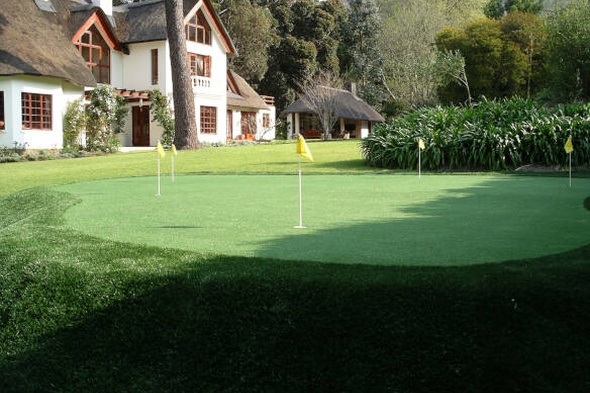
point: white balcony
(201, 83)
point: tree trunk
(184, 99)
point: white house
(53, 52)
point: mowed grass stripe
(438, 220)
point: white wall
(61, 93)
(137, 66)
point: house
(355, 117)
(53, 52)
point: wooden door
(141, 126)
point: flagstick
(570, 154)
(158, 194)
(172, 167)
(300, 226)
(419, 162)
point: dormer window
(97, 54)
(198, 30)
(199, 65)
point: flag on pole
(421, 144)
(160, 150)
(569, 146)
(302, 148)
(173, 150)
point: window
(199, 65)
(154, 66)
(1, 110)
(265, 120)
(36, 111)
(198, 30)
(248, 123)
(208, 120)
(97, 54)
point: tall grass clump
(488, 135)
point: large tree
(364, 30)
(409, 29)
(251, 28)
(502, 57)
(184, 99)
(569, 54)
(498, 8)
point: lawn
(89, 308)
(370, 219)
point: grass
(369, 219)
(84, 313)
(279, 157)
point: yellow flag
(302, 148)
(569, 146)
(161, 150)
(421, 144)
(173, 150)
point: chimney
(106, 5)
(353, 88)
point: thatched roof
(36, 39)
(33, 42)
(349, 107)
(146, 21)
(241, 94)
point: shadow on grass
(500, 219)
(229, 324)
(239, 325)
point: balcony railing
(201, 82)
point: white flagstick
(172, 164)
(158, 194)
(419, 161)
(300, 226)
(570, 154)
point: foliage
(160, 109)
(74, 125)
(568, 64)
(452, 70)
(366, 61)
(503, 57)
(105, 116)
(410, 72)
(251, 28)
(496, 9)
(308, 33)
(489, 135)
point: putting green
(369, 219)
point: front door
(141, 126)
(230, 125)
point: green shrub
(488, 135)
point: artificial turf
(437, 220)
(84, 313)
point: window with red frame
(36, 111)
(208, 120)
(199, 65)
(97, 54)
(198, 30)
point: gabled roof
(146, 21)
(241, 94)
(349, 107)
(33, 42)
